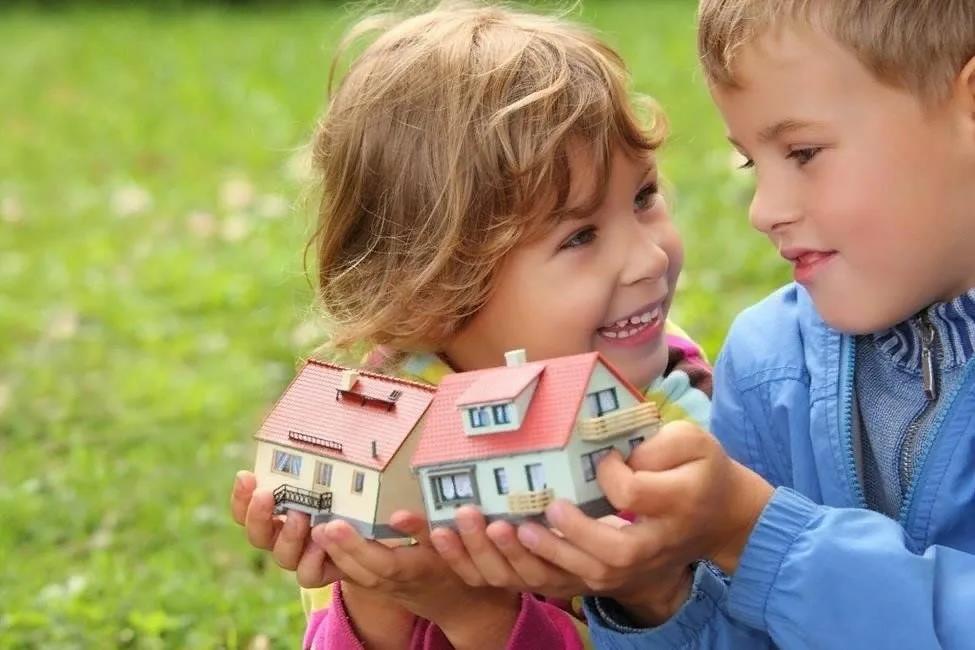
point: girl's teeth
(646, 318)
(611, 335)
(621, 323)
(635, 320)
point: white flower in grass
(63, 324)
(272, 206)
(202, 225)
(11, 210)
(236, 194)
(130, 200)
(234, 228)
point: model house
(338, 444)
(512, 439)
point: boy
(850, 391)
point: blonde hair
(920, 45)
(445, 145)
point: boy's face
(868, 194)
(603, 283)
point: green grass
(153, 303)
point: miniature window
(323, 474)
(286, 463)
(635, 442)
(500, 412)
(501, 480)
(480, 416)
(603, 401)
(590, 461)
(358, 482)
(536, 476)
(453, 489)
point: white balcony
(619, 422)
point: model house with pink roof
(337, 444)
(512, 439)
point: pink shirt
(539, 625)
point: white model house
(512, 439)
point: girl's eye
(748, 164)
(804, 156)
(646, 197)
(580, 238)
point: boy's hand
(417, 579)
(693, 502)
(287, 537)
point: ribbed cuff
(607, 618)
(787, 514)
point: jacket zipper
(930, 356)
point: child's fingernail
(440, 544)
(554, 513)
(527, 536)
(465, 525)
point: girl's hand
(493, 555)
(497, 555)
(415, 577)
(287, 537)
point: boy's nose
(770, 210)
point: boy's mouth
(634, 324)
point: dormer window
(480, 417)
(602, 402)
(501, 414)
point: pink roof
(308, 407)
(504, 383)
(547, 424)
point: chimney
(514, 358)
(349, 377)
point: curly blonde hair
(445, 145)
(920, 45)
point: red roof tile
(547, 424)
(504, 383)
(308, 406)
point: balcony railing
(530, 503)
(287, 496)
(618, 422)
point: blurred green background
(153, 301)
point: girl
(486, 185)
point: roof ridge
(373, 375)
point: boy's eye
(580, 238)
(646, 197)
(805, 155)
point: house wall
(517, 413)
(398, 487)
(490, 502)
(601, 379)
(344, 503)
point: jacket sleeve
(539, 625)
(817, 576)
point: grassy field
(153, 301)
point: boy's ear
(965, 86)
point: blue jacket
(820, 570)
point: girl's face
(602, 283)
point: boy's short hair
(920, 45)
(446, 144)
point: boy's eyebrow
(779, 129)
